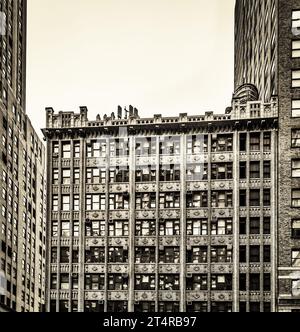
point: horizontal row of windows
(218, 254)
(196, 282)
(169, 145)
(219, 199)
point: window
(267, 225)
(76, 176)
(75, 228)
(117, 306)
(296, 19)
(53, 281)
(296, 258)
(296, 198)
(144, 282)
(254, 226)
(197, 144)
(267, 282)
(168, 307)
(296, 168)
(295, 78)
(221, 142)
(267, 197)
(169, 200)
(144, 255)
(66, 150)
(295, 138)
(96, 175)
(267, 169)
(243, 142)
(76, 203)
(196, 199)
(145, 146)
(169, 255)
(169, 173)
(93, 306)
(254, 254)
(55, 148)
(296, 108)
(119, 201)
(198, 282)
(145, 227)
(95, 202)
(54, 229)
(254, 282)
(65, 204)
(55, 203)
(196, 172)
(119, 147)
(117, 255)
(254, 197)
(197, 227)
(221, 255)
(296, 48)
(95, 228)
(119, 174)
(267, 254)
(145, 201)
(221, 282)
(117, 282)
(243, 282)
(221, 199)
(66, 176)
(54, 255)
(95, 255)
(64, 282)
(243, 226)
(76, 149)
(65, 255)
(169, 145)
(169, 227)
(94, 281)
(267, 141)
(254, 170)
(243, 254)
(296, 229)
(55, 176)
(243, 170)
(145, 173)
(96, 149)
(197, 255)
(118, 228)
(169, 282)
(221, 226)
(255, 142)
(65, 229)
(145, 306)
(221, 171)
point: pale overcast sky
(161, 56)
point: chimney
(119, 112)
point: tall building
(267, 54)
(163, 214)
(22, 169)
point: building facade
(268, 55)
(22, 179)
(163, 214)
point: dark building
(163, 214)
(22, 167)
(267, 54)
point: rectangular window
(243, 170)
(197, 144)
(254, 226)
(96, 149)
(296, 168)
(221, 199)
(145, 201)
(145, 227)
(94, 282)
(255, 142)
(144, 255)
(221, 282)
(65, 255)
(66, 176)
(169, 282)
(169, 145)
(254, 197)
(76, 203)
(267, 197)
(66, 150)
(267, 169)
(296, 258)
(197, 255)
(254, 254)
(119, 174)
(119, 201)
(221, 171)
(295, 138)
(243, 142)
(267, 141)
(196, 172)
(117, 255)
(198, 282)
(95, 228)
(169, 173)
(119, 147)
(95, 175)
(221, 255)
(54, 229)
(222, 143)
(55, 203)
(296, 19)
(145, 173)
(145, 146)
(95, 202)
(65, 229)
(197, 227)
(295, 78)
(296, 108)
(144, 282)
(196, 199)
(76, 149)
(55, 176)
(76, 176)
(296, 48)
(64, 282)
(254, 170)
(118, 228)
(169, 255)
(95, 255)
(75, 228)
(296, 198)
(65, 203)
(296, 229)
(221, 226)
(169, 227)
(117, 282)
(170, 200)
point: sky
(161, 56)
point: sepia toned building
(267, 54)
(22, 175)
(163, 214)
